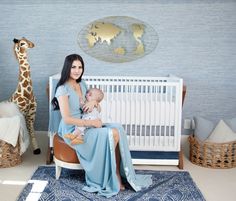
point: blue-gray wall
(197, 41)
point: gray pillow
(203, 128)
(231, 123)
(222, 133)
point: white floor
(215, 184)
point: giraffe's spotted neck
(24, 67)
(25, 83)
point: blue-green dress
(97, 154)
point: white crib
(150, 110)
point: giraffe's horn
(15, 40)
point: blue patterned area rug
(167, 186)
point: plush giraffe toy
(23, 96)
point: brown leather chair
(64, 156)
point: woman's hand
(88, 106)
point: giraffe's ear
(15, 40)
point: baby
(92, 94)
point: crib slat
(155, 117)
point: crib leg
(50, 153)
(49, 159)
(181, 160)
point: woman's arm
(68, 119)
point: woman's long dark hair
(65, 75)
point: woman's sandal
(122, 187)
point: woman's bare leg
(117, 154)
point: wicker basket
(9, 155)
(212, 155)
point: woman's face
(76, 70)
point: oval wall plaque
(117, 39)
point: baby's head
(94, 94)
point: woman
(104, 152)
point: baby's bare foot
(70, 136)
(77, 140)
